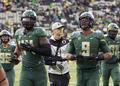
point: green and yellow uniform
(87, 71)
(33, 70)
(6, 54)
(111, 67)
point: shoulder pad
(40, 31)
(75, 34)
(19, 31)
(39, 28)
(99, 34)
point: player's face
(84, 23)
(5, 39)
(57, 33)
(113, 33)
(28, 23)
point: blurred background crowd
(66, 11)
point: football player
(32, 44)
(7, 57)
(111, 67)
(86, 45)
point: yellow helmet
(113, 27)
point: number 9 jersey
(87, 46)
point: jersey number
(5, 57)
(114, 49)
(86, 48)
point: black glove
(99, 57)
(49, 61)
(94, 57)
(15, 59)
(53, 59)
(26, 46)
(81, 57)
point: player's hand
(114, 60)
(69, 56)
(26, 46)
(15, 59)
(99, 57)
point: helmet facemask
(28, 22)
(113, 30)
(86, 20)
(86, 23)
(28, 19)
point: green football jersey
(114, 46)
(6, 54)
(32, 37)
(87, 46)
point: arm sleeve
(103, 44)
(44, 50)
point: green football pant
(88, 77)
(33, 76)
(113, 71)
(11, 77)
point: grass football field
(72, 66)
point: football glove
(99, 57)
(44, 50)
(26, 46)
(94, 57)
(15, 59)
